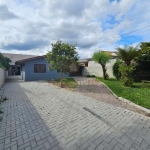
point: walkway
(40, 116)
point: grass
(139, 93)
(68, 83)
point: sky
(31, 26)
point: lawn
(139, 93)
(68, 83)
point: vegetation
(127, 54)
(2, 67)
(116, 71)
(4, 62)
(126, 74)
(61, 55)
(142, 71)
(91, 76)
(68, 83)
(102, 58)
(139, 93)
(143, 53)
(1, 112)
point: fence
(2, 77)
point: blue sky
(30, 26)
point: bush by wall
(1, 66)
(116, 71)
(127, 74)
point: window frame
(40, 70)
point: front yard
(139, 93)
(68, 83)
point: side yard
(139, 93)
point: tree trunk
(127, 63)
(104, 71)
(61, 78)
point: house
(15, 70)
(32, 68)
(36, 68)
(93, 68)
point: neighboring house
(73, 67)
(15, 70)
(95, 69)
(36, 68)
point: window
(39, 68)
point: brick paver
(95, 89)
(40, 116)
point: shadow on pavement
(28, 124)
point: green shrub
(116, 71)
(91, 76)
(126, 74)
(127, 81)
(88, 76)
(1, 66)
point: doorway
(14, 71)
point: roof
(16, 57)
(28, 59)
(113, 53)
(85, 60)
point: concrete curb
(77, 86)
(145, 110)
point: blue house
(36, 68)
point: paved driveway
(95, 89)
(40, 116)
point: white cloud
(5, 13)
(30, 26)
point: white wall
(96, 69)
(2, 77)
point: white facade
(96, 69)
(2, 77)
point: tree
(127, 54)
(102, 58)
(142, 71)
(61, 56)
(144, 53)
(4, 62)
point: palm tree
(102, 58)
(127, 54)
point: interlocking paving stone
(40, 116)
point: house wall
(23, 72)
(29, 75)
(2, 77)
(96, 69)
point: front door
(14, 71)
